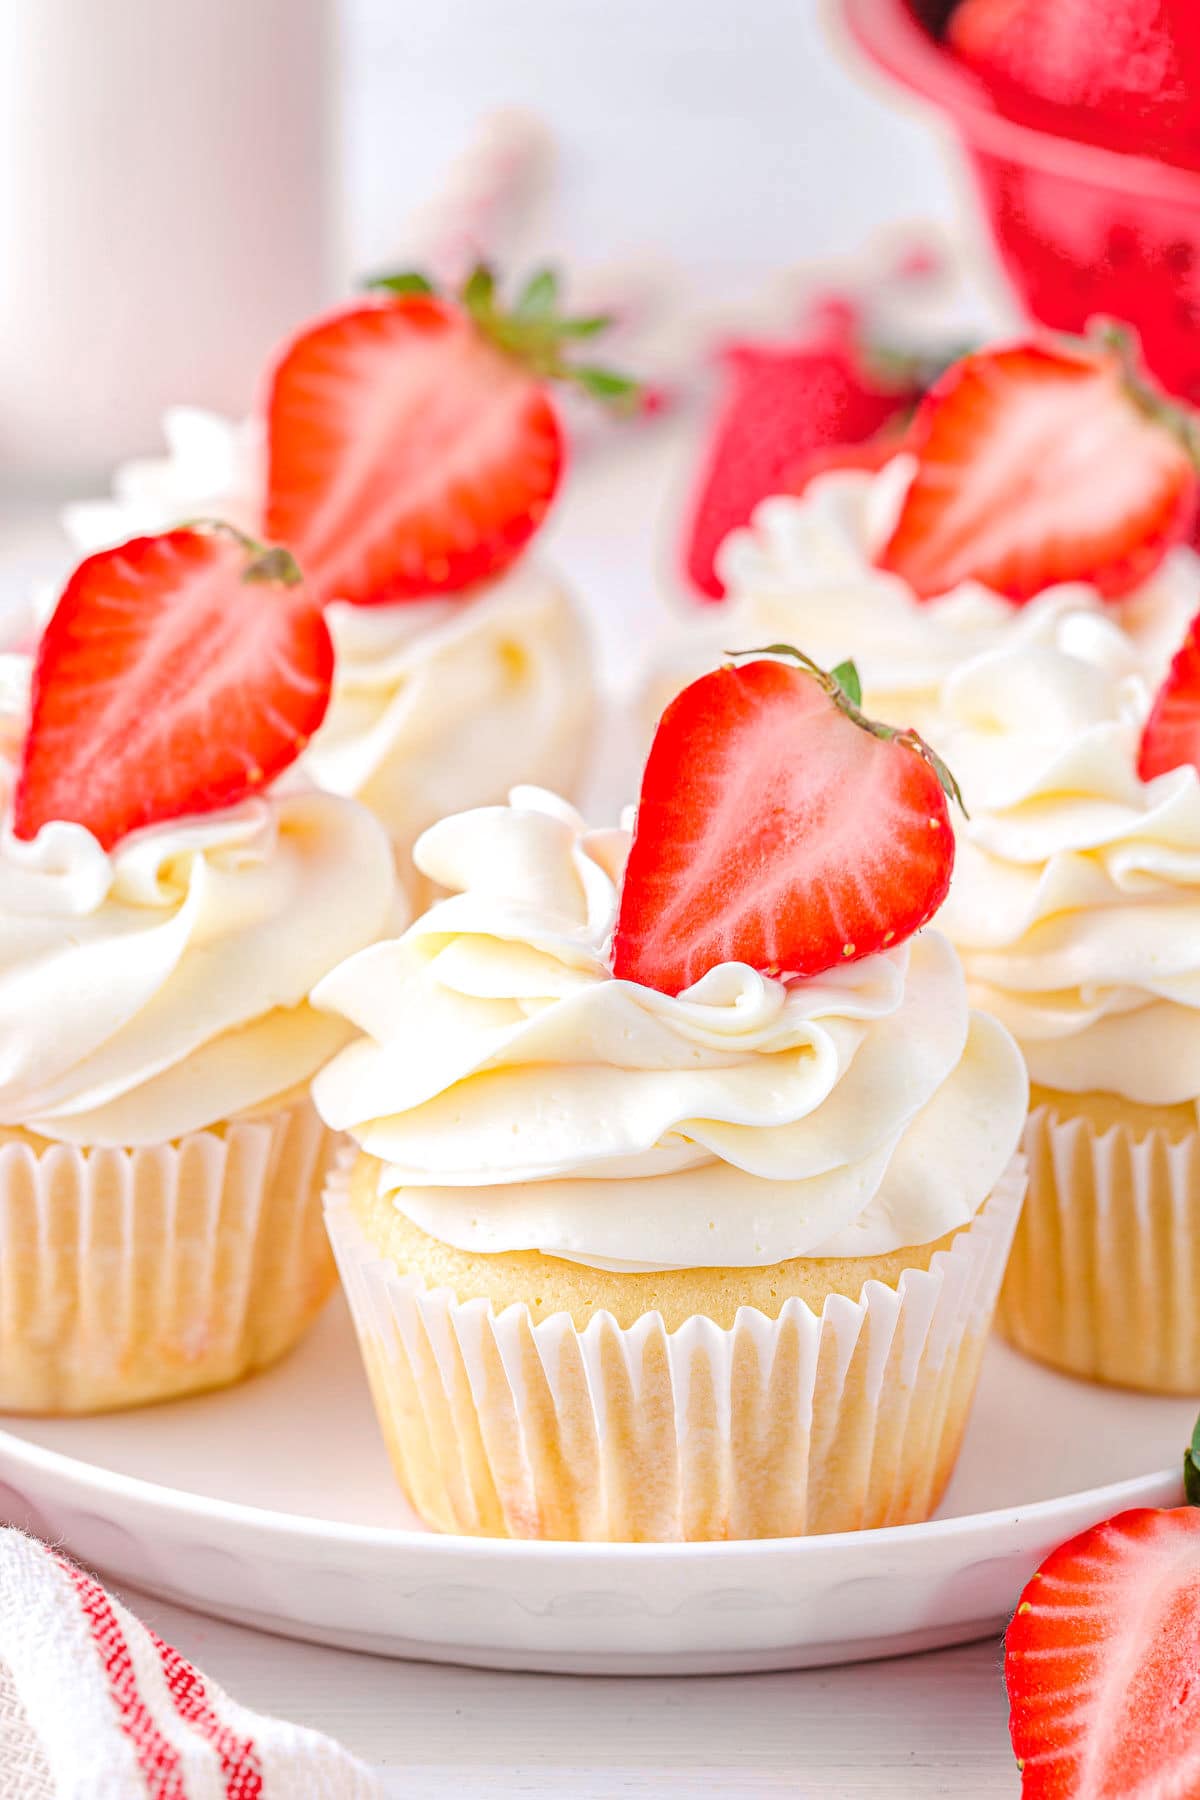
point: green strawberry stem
(1174, 416)
(844, 688)
(272, 563)
(533, 330)
(1191, 1468)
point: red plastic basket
(1080, 229)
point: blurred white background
(181, 179)
(734, 135)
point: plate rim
(1108, 1496)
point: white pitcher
(166, 192)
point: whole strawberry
(1120, 72)
(412, 445)
(781, 403)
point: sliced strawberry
(178, 674)
(778, 827)
(412, 448)
(780, 403)
(1102, 1663)
(1171, 736)
(1037, 465)
(869, 457)
(1118, 72)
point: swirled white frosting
(802, 573)
(1076, 896)
(437, 705)
(519, 1097)
(163, 987)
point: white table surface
(919, 1726)
(927, 1725)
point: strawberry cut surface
(1037, 465)
(1171, 735)
(178, 675)
(1102, 1663)
(407, 455)
(774, 830)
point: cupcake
(408, 452)
(170, 892)
(685, 1176)
(1076, 910)
(1032, 479)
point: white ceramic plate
(273, 1504)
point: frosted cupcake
(1032, 479)
(1076, 909)
(169, 895)
(677, 1213)
(408, 452)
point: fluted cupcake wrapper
(502, 1427)
(129, 1275)
(1104, 1280)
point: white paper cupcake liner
(796, 1424)
(1104, 1280)
(129, 1275)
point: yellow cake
(631, 1266)
(1075, 907)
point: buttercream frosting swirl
(437, 704)
(161, 987)
(519, 1097)
(803, 573)
(1076, 897)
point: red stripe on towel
(156, 1756)
(241, 1768)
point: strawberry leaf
(410, 282)
(539, 297)
(1191, 1468)
(847, 677)
(604, 384)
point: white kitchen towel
(94, 1706)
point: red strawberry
(178, 675)
(780, 402)
(1039, 464)
(1102, 1663)
(1171, 736)
(778, 827)
(1121, 72)
(412, 448)
(870, 457)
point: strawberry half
(779, 827)
(1171, 735)
(412, 448)
(179, 674)
(780, 403)
(1102, 1663)
(1038, 464)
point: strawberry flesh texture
(772, 830)
(1125, 73)
(780, 403)
(407, 456)
(167, 684)
(1102, 1663)
(1171, 735)
(1037, 466)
